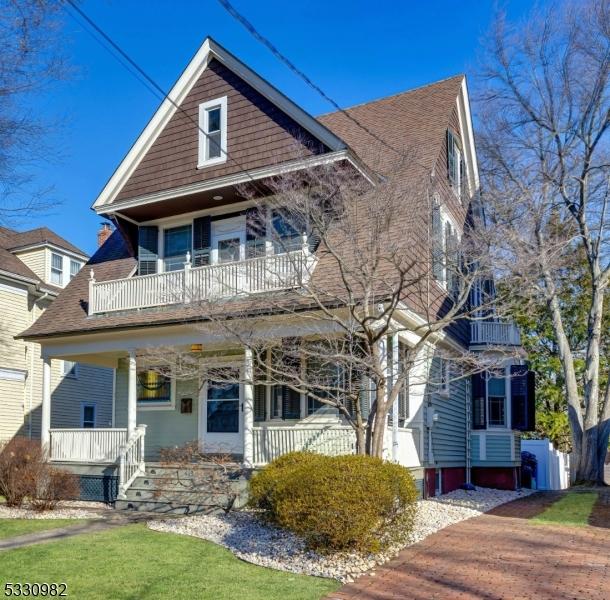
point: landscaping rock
(65, 510)
(253, 540)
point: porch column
(248, 409)
(45, 420)
(394, 377)
(131, 393)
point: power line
(272, 48)
(134, 68)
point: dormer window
(57, 269)
(213, 132)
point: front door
(221, 427)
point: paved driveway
(499, 555)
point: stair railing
(131, 460)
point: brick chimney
(104, 232)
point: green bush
(337, 502)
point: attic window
(213, 132)
(455, 166)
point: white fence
(86, 445)
(494, 332)
(271, 442)
(553, 469)
(254, 275)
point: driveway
(500, 555)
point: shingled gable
(419, 117)
(264, 127)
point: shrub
(52, 486)
(337, 502)
(20, 460)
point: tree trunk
(360, 440)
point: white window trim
(507, 404)
(151, 406)
(70, 375)
(203, 127)
(62, 274)
(446, 218)
(71, 262)
(82, 413)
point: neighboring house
(174, 191)
(35, 266)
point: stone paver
(500, 555)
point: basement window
(213, 132)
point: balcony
(494, 333)
(270, 273)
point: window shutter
(478, 401)
(403, 403)
(523, 398)
(148, 249)
(202, 233)
(531, 401)
(259, 402)
(451, 157)
(437, 243)
(291, 403)
(255, 231)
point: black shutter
(479, 420)
(291, 403)
(148, 249)
(260, 402)
(531, 401)
(437, 243)
(255, 231)
(518, 397)
(202, 233)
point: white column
(394, 377)
(45, 422)
(131, 393)
(248, 409)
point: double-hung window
(496, 401)
(177, 241)
(88, 416)
(74, 268)
(213, 132)
(57, 269)
(455, 167)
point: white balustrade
(495, 333)
(271, 442)
(86, 445)
(131, 459)
(197, 284)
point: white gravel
(65, 510)
(254, 541)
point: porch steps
(178, 490)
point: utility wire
(134, 68)
(272, 48)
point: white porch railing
(210, 282)
(86, 445)
(495, 333)
(131, 459)
(270, 442)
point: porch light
(196, 347)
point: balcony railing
(261, 274)
(494, 333)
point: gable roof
(209, 50)
(17, 240)
(410, 123)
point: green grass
(133, 562)
(12, 527)
(573, 509)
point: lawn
(134, 562)
(573, 509)
(12, 527)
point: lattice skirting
(99, 488)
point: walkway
(500, 555)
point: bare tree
(32, 58)
(544, 114)
(363, 268)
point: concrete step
(179, 496)
(166, 507)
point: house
(179, 217)
(35, 266)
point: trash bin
(529, 467)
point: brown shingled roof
(14, 240)
(413, 120)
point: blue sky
(354, 50)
